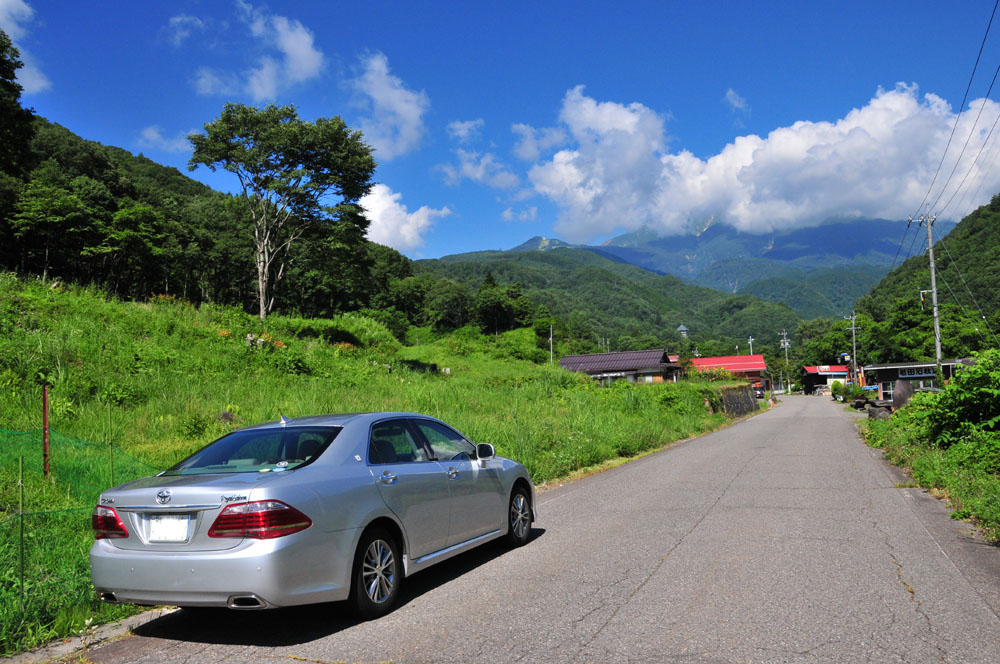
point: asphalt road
(781, 538)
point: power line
(972, 295)
(960, 110)
(965, 145)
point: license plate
(168, 528)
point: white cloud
(735, 101)
(14, 16)
(465, 130)
(876, 161)
(181, 27)
(531, 214)
(391, 223)
(152, 137)
(533, 142)
(213, 82)
(13, 13)
(289, 56)
(395, 124)
(481, 168)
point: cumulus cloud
(180, 27)
(530, 214)
(14, 17)
(482, 168)
(876, 161)
(392, 224)
(299, 59)
(395, 123)
(735, 101)
(214, 82)
(289, 55)
(465, 130)
(531, 142)
(152, 137)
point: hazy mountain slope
(614, 297)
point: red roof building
(751, 367)
(822, 376)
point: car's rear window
(259, 451)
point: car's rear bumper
(299, 569)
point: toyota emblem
(163, 496)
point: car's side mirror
(485, 451)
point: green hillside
(616, 298)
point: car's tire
(377, 574)
(518, 516)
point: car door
(412, 486)
(477, 502)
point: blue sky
(495, 122)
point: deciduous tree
(294, 174)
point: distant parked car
(312, 509)
(758, 391)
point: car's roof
(335, 419)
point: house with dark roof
(635, 366)
(918, 374)
(751, 367)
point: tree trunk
(262, 284)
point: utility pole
(854, 346)
(550, 343)
(786, 344)
(751, 344)
(929, 219)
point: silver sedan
(314, 509)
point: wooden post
(45, 430)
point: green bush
(970, 401)
(961, 457)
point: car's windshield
(258, 451)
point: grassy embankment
(950, 442)
(154, 378)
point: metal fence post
(45, 430)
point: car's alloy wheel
(519, 518)
(378, 571)
(376, 575)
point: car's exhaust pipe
(108, 597)
(246, 602)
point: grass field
(147, 383)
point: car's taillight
(106, 523)
(262, 519)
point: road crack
(757, 452)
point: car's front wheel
(518, 517)
(377, 574)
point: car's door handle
(452, 473)
(388, 478)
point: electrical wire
(952, 263)
(965, 145)
(960, 110)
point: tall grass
(160, 379)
